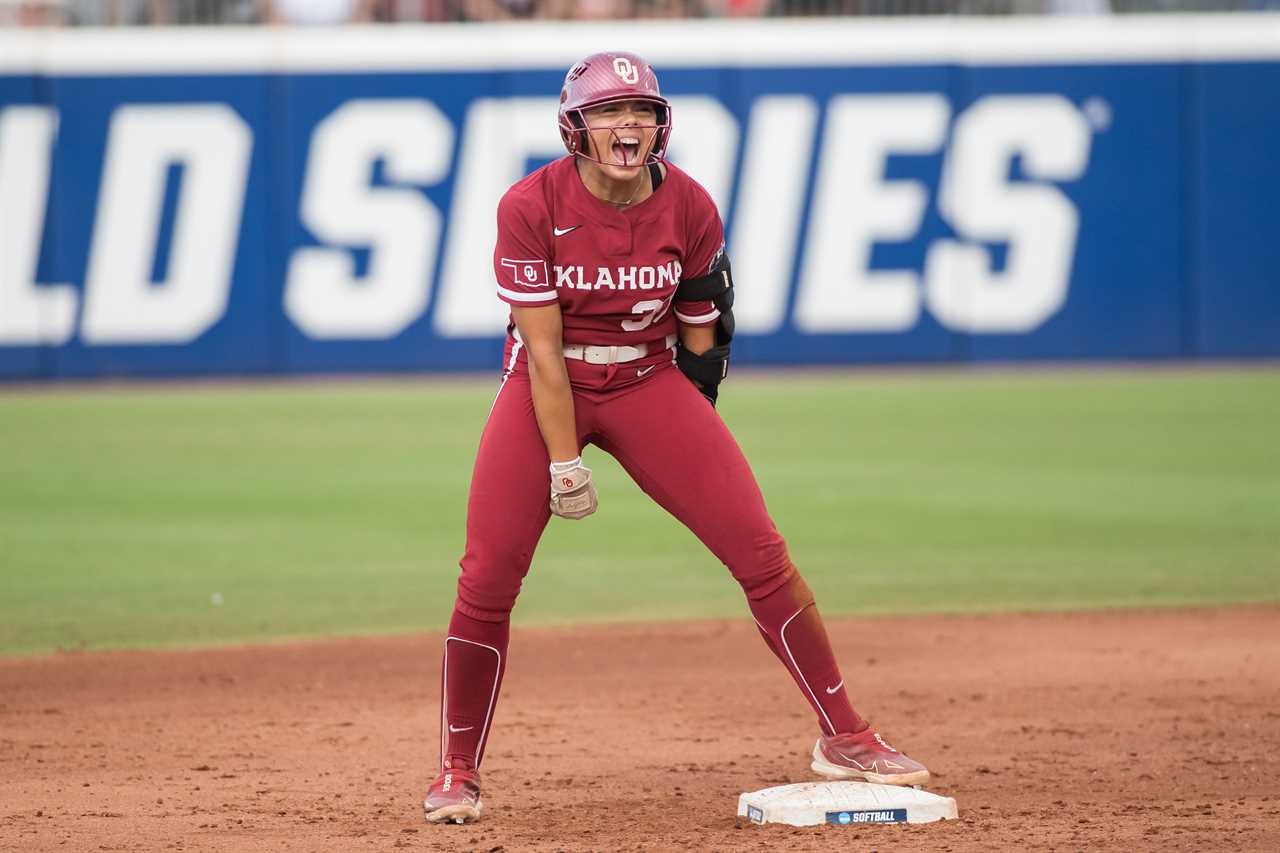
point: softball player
(613, 263)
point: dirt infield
(1134, 731)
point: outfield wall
(274, 201)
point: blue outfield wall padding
(92, 109)
(1000, 191)
(1124, 299)
(21, 356)
(1237, 236)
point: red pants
(678, 450)
(671, 442)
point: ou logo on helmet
(625, 70)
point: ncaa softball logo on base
(881, 816)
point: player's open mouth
(627, 149)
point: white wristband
(565, 467)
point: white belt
(608, 355)
(614, 355)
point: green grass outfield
(307, 509)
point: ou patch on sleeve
(524, 280)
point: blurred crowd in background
(96, 13)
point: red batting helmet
(600, 79)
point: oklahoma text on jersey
(626, 278)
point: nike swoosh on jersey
(560, 232)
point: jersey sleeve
(521, 258)
(705, 246)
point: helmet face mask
(605, 78)
(578, 131)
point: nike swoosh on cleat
(831, 690)
(455, 729)
(560, 232)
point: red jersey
(613, 271)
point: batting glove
(573, 495)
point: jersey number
(651, 309)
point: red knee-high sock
(475, 657)
(789, 622)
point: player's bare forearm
(697, 339)
(541, 329)
(553, 406)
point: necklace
(634, 193)
(578, 166)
